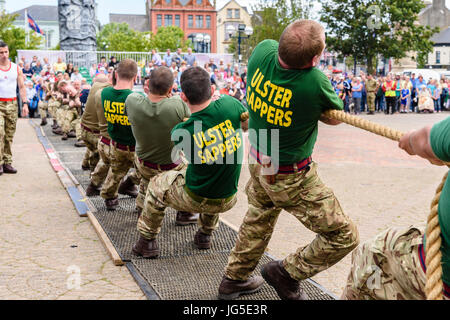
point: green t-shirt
(440, 143)
(119, 128)
(213, 143)
(288, 102)
(152, 124)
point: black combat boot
(128, 188)
(286, 287)
(186, 218)
(148, 249)
(111, 204)
(44, 121)
(202, 240)
(231, 289)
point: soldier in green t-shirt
(163, 112)
(212, 142)
(286, 96)
(122, 139)
(392, 265)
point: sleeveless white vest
(8, 82)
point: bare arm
(328, 121)
(418, 143)
(23, 92)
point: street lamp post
(204, 40)
(242, 28)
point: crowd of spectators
(395, 93)
(37, 73)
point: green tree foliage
(16, 37)
(270, 19)
(365, 29)
(169, 37)
(120, 37)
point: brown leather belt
(90, 130)
(122, 146)
(163, 167)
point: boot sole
(127, 194)
(233, 296)
(185, 223)
(147, 256)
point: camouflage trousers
(145, 174)
(8, 122)
(60, 113)
(43, 108)
(388, 267)
(91, 157)
(53, 106)
(371, 101)
(305, 196)
(101, 170)
(121, 162)
(168, 190)
(69, 120)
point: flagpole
(26, 27)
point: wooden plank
(105, 240)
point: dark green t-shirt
(152, 124)
(440, 143)
(213, 143)
(119, 128)
(287, 102)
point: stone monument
(77, 29)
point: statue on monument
(77, 23)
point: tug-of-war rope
(434, 285)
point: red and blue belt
(122, 147)
(286, 169)
(424, 268)
(90, 130)
(163, 167)
(105, 141)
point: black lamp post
(242, 29)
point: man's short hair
(196, 85)
(127, 69)
(3, 44)
(161, 81)
(300, 42)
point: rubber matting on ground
(182, 272)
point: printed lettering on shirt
(269, 101)
(115, 113)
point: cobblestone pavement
(43, 241)
(377, 184)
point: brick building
(194, 17)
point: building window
(438, 57)
(230, 13)
(199, 22)
(168, 20)
(190, 21)
(159, 20)
(237, 13)
(208, 22)
(177, 20)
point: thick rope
(434, 285)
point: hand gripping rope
(434, 285)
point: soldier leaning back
(122, 140)
(163, 112)
(212, 142)
(286, 96)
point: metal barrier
(87, 58)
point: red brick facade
(195, 16)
